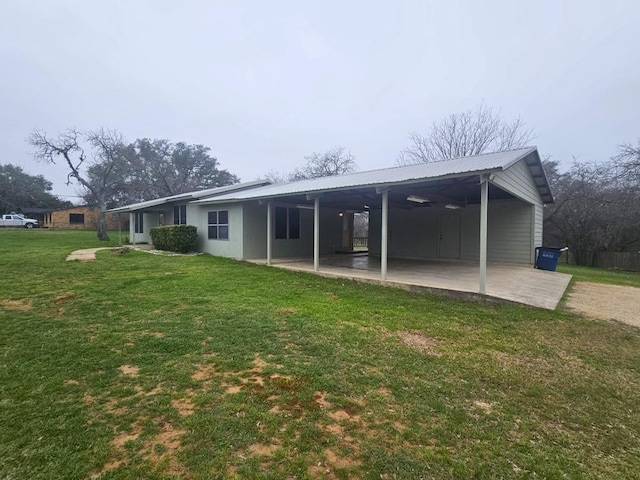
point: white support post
(384, 240)
(316, 234)
(132, 227)
(484, 200)
(269, 231)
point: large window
(139, 222)
(219, 225)
(287, 223)
(76, 218)
(180, 215)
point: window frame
(138, 222)
(180, 214)
(289, 229)
(217, 226)
(77, 216)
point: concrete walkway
(89, 254)
(505, 282)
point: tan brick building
(80, 218)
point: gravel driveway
(611, 302)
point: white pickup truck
(16, 220)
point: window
(219, 225)
(180, 215)
(76, 218)
(139, 222)
(287, 223)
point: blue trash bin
(547, 258)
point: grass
(142, 366)
(601, 275)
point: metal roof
(458, 167)
(189, 196)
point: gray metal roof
(458, 167)
(190, 196)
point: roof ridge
(406, 166)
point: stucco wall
(233, 247)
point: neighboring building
(81, 218)
(479, 208)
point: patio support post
(132, 227)
(384, 240)
(269, 232)
(119, 229)
(484, 200)
(316, 234)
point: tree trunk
(103, 236)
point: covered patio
(505, 282)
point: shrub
(174, 238)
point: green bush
(174, 238)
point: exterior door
(449, 236)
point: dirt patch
(340, 462)
(260, 449)
(129, 370)
(232, 389)
(419, 342)
(65, 298)
(287, 310)
(204, 372)
(609, 302)
(123, 438)
(19, 305)
(339, 415)
(321, 399)
(258, 363)
(485, 407)
(71, 382)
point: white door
(449, 238)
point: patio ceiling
(461, 191)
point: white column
(132, 228)
(316, 234)
(269, 231)
(484, 200)
(384, 240)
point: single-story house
(80, 217)
(482, 208)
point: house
(81, 217)
(482, 208)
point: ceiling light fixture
(452, 206)
(417, 199)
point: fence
(360, 242)
(629, 261)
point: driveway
(610, 302)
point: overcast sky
(266, 83)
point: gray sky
(266, 83)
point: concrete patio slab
(505, 282)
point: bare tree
(627, 164)
(333, 162)
(467, 133)
(275, 177)
(593, 212)
(98, 176)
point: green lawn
(601, 275)
(144, 366)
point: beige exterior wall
(61, 219)
(415, 233)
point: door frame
(459, 217)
